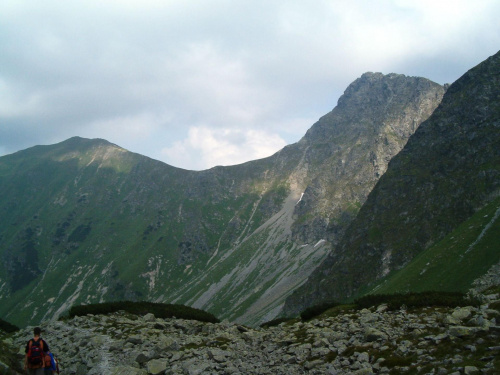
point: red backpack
(35, 354)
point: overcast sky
(217, 82)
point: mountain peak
(79, 143)
(375, 99)
(448, 170)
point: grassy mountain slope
(448, 170)
(88, 222)
(455, 262)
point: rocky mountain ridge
(87, 221)
(448, 170)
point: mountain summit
(448, 170)
(86, 221)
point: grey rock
(461, 331)
(135, 340)
(470, 370)
(124, 370)
(142, 358)
(373, 334)
(479, 321)
(364, 357)
(196, 367)
(149, 317)
(313, 364)
(462, 313)
(363, 371)
(157, 366)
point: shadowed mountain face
(448, 170)
(85, 221)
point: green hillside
(455, 262)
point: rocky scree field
(342, 340)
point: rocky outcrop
(349, 148)
(343, 341)
(449, 169)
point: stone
(135, 340)
(449, 319)
(437, 338)
(149, 317)
(462, 313)
(142, 358)
(157, 366)
(461, 331)
(364, 357)
(495, 329)
(373, 334)
(312, 364)
(470, 370)
(382, 308)
(472, 348)
(363, 371)
(116, 346)
(479, 321)
(125, 370)
(195, 367)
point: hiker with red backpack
(36, 351)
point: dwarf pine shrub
(160, 310)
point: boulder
(373, 334)
(149, 317)
(462, 313)
(470, 370)
(461, 331)
(157, 366)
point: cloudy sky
(217, 82)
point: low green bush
(313, 311)
(275, 322)
(423, 299)
(8, 327)
(160, 310)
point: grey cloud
(84, 68)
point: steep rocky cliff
(448, 170)
(349, 148)
(87, 221)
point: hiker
(51, 364)
(34, 360)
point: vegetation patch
(412, 300)
(331, 356)
(338, 310)
(276, 322)
(453, 263)
(10, 359)
(494, 289)
(302, 336)
(160, 310)
(80, 233)
(314, 311)
(8, 327)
